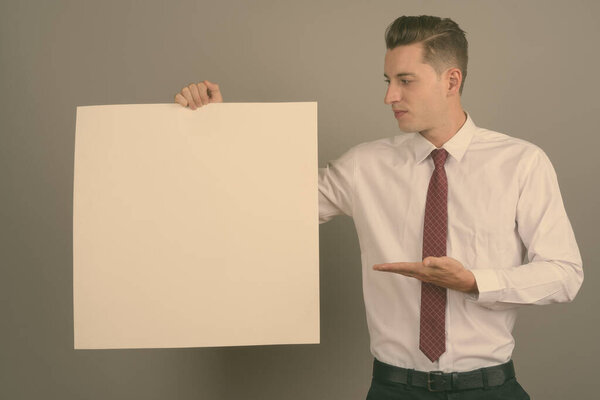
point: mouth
(399, 113)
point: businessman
(458, 226)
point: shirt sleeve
(553, 273)
(336, 187)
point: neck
(441, 134)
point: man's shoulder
(377, 146)
(484, 138)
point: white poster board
(195, 228)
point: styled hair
(444, 43)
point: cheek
(434, 99)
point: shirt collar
(456, 146)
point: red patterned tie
(432, 340)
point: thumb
(427, 261)
(215, 94)
(212, 86)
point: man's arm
(553, 273)
(336, 187)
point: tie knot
(439, 157)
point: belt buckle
(432, 378)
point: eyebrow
(402, 74)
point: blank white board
(195, 228)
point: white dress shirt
(506, 223)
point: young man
(468, 202)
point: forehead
(407, 58)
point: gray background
(532, 74)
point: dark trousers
(386, 390)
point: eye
(404, 81)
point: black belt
(438, 381)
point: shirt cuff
(488, 286)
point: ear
(454, 80)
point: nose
(392, 95)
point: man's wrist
(472, 289)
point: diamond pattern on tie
(432, 337)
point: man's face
(419, 93)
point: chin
(405, 127)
